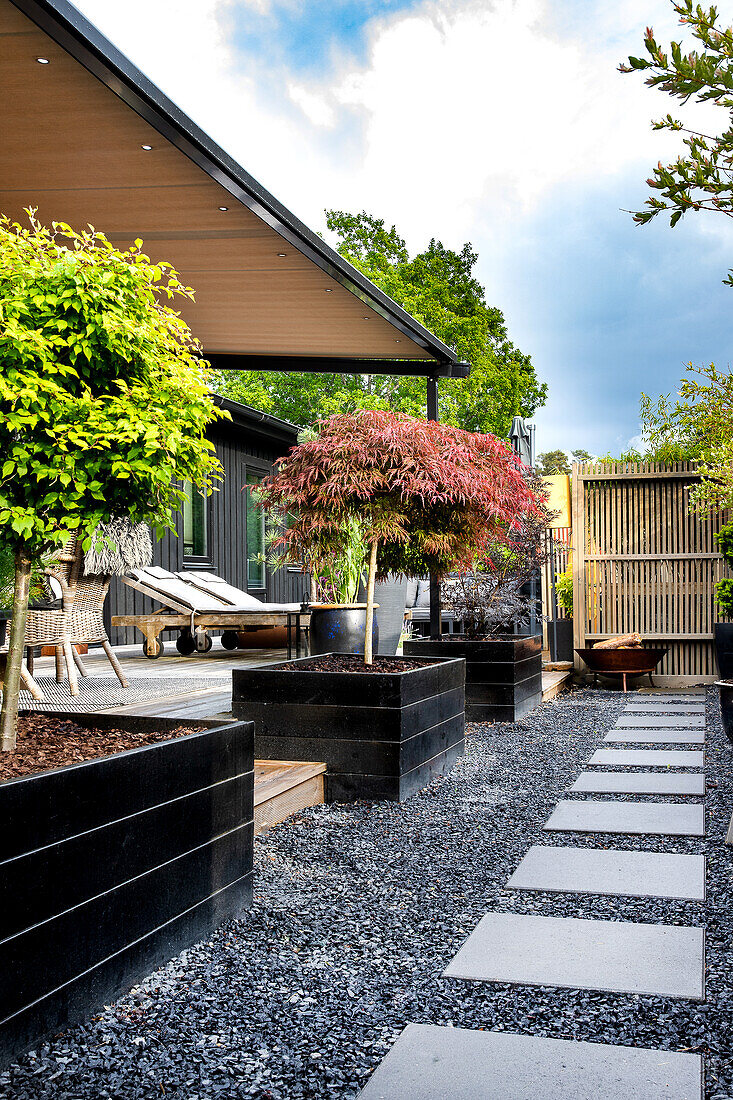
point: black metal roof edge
(245, 416)
(317, 364)
(80, 38)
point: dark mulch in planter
(44, 742)
(359, 908)
(348, 662)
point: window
(255, 535)
(195, 534)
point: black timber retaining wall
(110, 867)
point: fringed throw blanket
(117, 547)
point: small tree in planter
(428, 497)
(503, 670)
(103, 402)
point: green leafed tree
(553, 462)
(701, 177)
(104, 403)
(438, 288)
(697, 422)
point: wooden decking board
(282, 787)
(274, 777)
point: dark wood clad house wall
(238, 449)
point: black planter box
(724, 649)
(110, 867)
(381, 735)
(503, 674)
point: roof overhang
(74, 138)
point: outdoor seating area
(352, 748)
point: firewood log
(621, 641)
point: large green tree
(103, 402)
(701, 177)
(438, 288)
(697, 422)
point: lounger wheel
(230, 639)
(202, 641)
(158, 650)
(185, 643)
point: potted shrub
(560, 631)
(427, 497)
(337, 618)
(503, 665)
(117, 857)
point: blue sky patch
(307, 36)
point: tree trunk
(11, 686)
(368, 655)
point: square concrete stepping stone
(648, 758)
(436, 1063)
(640, 783)
(637, 818)
(603, 871)
(660, 959)
(676, 705)
(656, 737)
(670, 721)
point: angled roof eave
(83, 41)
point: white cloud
(463, 114)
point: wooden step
(282, 787)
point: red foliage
(432, 496)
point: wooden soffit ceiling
(74, 149)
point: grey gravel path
(359, 909)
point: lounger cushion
(423, 594)
(220, 589)
(167, 585)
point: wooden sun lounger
(191, 610)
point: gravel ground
(357, 911)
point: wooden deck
(282, 787)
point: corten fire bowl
(622, 662)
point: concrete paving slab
(675, 706)
(640, 783)
(432, 1063)
(608, 872)
(636, 818)
(656, 737)
(649, 758)
(669, 721)
(660, 959)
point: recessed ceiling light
(223, 208)
(147, 148)
(367, 317)
(42, 60)
(398, 341)
(282, 255)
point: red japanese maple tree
(430, 498)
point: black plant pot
(503, 674)
(724, 649)
(382, 735)
(340, 628)
(110, 867)
(562, 630)
(725, 691)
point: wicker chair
(77, 621)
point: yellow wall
(559, 502)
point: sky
(500, 122)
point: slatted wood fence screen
(642, 561)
